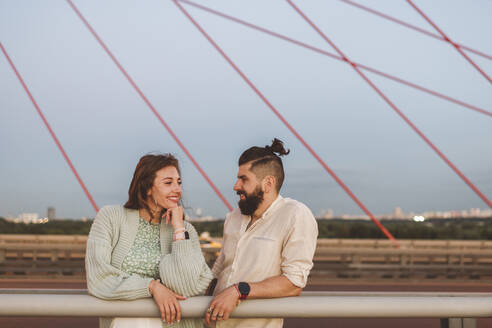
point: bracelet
(239, 294)
(179, 230)
(237, 290)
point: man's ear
(269, 183)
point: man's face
(249, 190)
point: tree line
(461, 229)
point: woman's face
(166, 190)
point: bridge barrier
(334, 258)
(322, 242)
(455, 309)
(404, 243)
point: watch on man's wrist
(244, 290)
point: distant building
(474, 212)
(328, 214)
(398, 213)
(203, 219)
(51, 213)
(28, 218)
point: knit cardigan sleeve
(184, 270)
(103, 279)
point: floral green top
(144, 256)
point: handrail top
(304, 306)
(50, 291)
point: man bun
(277, 147)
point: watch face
(244, 288)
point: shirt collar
(273, 206)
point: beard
(250, 204)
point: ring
(220, 316)
(210, 310)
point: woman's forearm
(184, 270)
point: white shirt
(281, 242)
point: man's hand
(222, 305)
(167, 301)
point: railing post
(458, 323)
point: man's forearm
(279, 286)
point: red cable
(50, 130)
(149, 104)
(287, 124)
(328, 54)
(449, 40)
(413, 27)
(393, 106)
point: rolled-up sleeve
(299, 247)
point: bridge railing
(458, 310)
(322, 242)
(63, 256)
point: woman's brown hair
(143, 179)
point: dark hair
(265, 161)
(143, 179)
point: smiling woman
(146, 249)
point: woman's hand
(167, 302)
(175, 216)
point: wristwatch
(244, 290)
(181, 235)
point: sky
(105, 127)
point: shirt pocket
(263, 246)
(264, 238)
(262, 256)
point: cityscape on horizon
(328, 214)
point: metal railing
(454, 309)
(7, 239)
(63, 256)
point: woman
(131, 247)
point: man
(269, 242)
